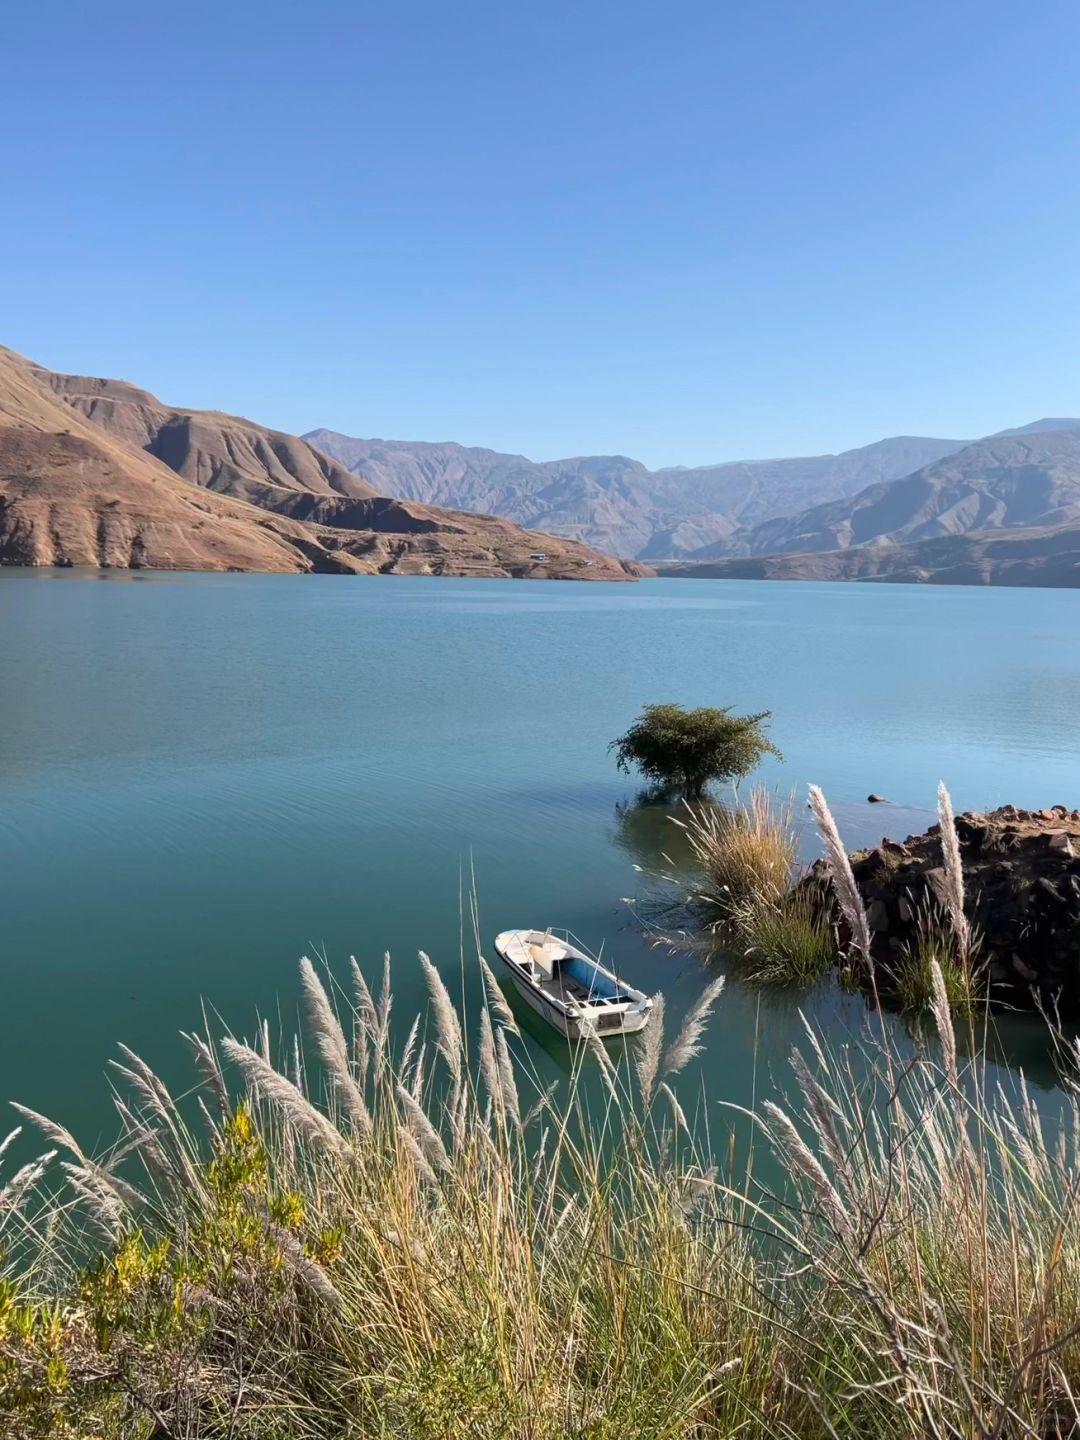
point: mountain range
(615, 503)
(1049, 557)
(1004, 509)
(99, 472)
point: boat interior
(564, 972)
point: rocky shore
(1022, 883)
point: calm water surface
(202, 778)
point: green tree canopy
(683, 750)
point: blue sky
(682, 231)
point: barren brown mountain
(99, 472)
(1046, 556)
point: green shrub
(683, 751)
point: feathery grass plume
(10, 1138)
(678, 1114)
(305, 1268)
(206, 1062)
(847, 892)
(687, 1043)
(15, 1191)
(506, 1078)
(649, 1047)
(416, 1155)
(138, 1133)
(954, 871)
(824, 1115)
(429, 1139)
(365, 1004)
(294, 1106)
(61, 1138)
(365, 1020)
(939, 1008)
(416, 1083)
(792, 1148)
(592, 1042)
(380, 1039)
(410, 1047)
(496, 999)
(542, 1102)
(489, 1060)
(101, 1204)
(448, 1038)
(333, 1047)
(146, 1093)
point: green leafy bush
(680, 750)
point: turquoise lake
(204, 777)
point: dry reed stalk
(420, 1126)
(649, 1049)
(333, 1048)
(17, 1188)
(294, 1106)
(954, 873)
(448, 1037)
(790, 1145)
(496, 999)
(687, 1043)
(847, 892)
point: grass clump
(935, 947)
(788, 941)
(746, 857)
(414, 1241)
(745, 853)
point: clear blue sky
(681, 231)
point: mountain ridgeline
(98, 472)
(615, 503)
(1005, 509)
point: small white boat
(570, 989)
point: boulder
(1022, 900)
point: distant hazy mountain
(1026, 478)
(615, 503)
(1037, 426)
(100, 473)
(1049, 557)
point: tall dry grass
(746, 892)
(421, 1241)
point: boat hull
(602, 1021)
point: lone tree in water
(683, 750)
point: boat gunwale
(636, 1004)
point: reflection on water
(202, 778)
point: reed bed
(746, 896)
(419, 1241)
(744, 852)
(785, 927)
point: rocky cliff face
(98, 472)
(1022, 880)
